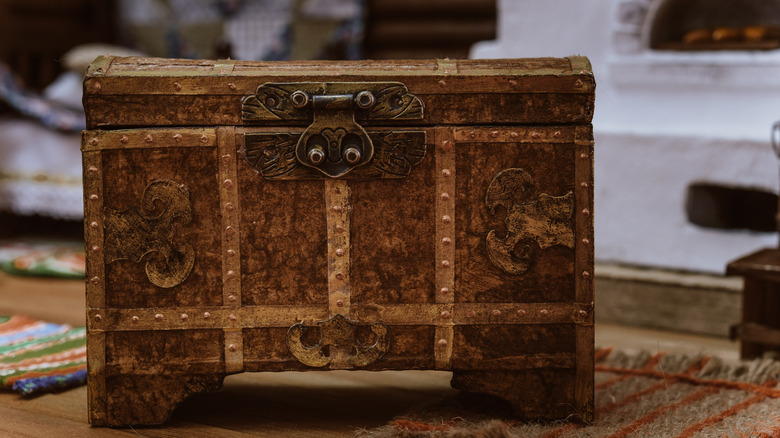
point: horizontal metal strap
(190, 318)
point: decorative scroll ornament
(395, 153)
(150, 233)
(338, 332)
(547, 220)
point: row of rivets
(159, 317)
(515, 134)
(446, 185)
(149, 139)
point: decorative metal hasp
(334, 143)
(338, 332)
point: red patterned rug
(637, 395)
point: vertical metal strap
(95, 270)
(445, 244)
(231, 248)
(338, 218)
(583, 268)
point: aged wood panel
(164, 352)
(194, 169)
(549, 276)
(284, 249)
(392, 238)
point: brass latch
(334, 143)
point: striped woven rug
(637, 395)
(36, 356)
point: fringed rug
(637, 395)
(37, 357)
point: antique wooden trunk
(258, 216)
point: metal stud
(514, 134)
(94, 141)
(442, 83)
(229, 206)
(337, 208)
(339, 228)
(584, 156)
(149, 138)
(557, 134)
(446, 315)
(232, 348)
(496, 312)
(445, 196)
(340, 303)
(446, 241)
(473, 134)
(586, 212)
(177, 86)
(93, 225)
(339, 276)
(230, 274)
(585, 274)
(446, 145)
(446, 219)
(204, 138)
(584, 185)
(445, 263)
(583, 313)
(578, 83)
(494, 134)
(124, 140)
(232, 317)
(206, 315)
(177, 137)
(544, 312)
(446, 172)
(226, 158)
(184, 317)
(471, 314)
(521, 313)
(230, 231)
(512, 82)
(231, 252)
(95, 248)
(95, 280)
(339, 252)
(536, 134)
(444, 290)
(134, 319)
(92, 169)
(93, 197)
(442, 343)
(586, 241)
(232, 298)
(158, 317)
(96, 86)
(98, 318)
(231, 85)
(228, 183)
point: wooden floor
(311, 404)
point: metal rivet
(96, 86)
(231, 274)
(204, 138)
(98, 318)
(232, 298)
(92, 169)
(93, 197)
(134, 319)
(149, 138)
(230, 231)
(473, 134)
(339, 252)
(94, 141)
(583, 156)
(444, 290)
(446, 241)
(521, 312)
(445, 263)
(270, 101)
(578, 83)
(177, 137)
(339, 228)
(232, 317)
(536, 135)
(93, 224)
(340, 303)
(584, 185)
(586, 241)
(184, 317)
(442, 342)
(445, 314)
(228, 183)
(226, 158)
(583, 313)
(232, 347)
(496, 312)
(586, 212)
(158, 317)
(95, 248)
(445, 196)
(513, 134)
(442, 83)
(339, 276)
(512, 82)
(446, 145)
(336, 208)
(177, 86)
(494, 134)
(124, 140)
(471, 314)
(585, 274)
(446, 172)
(95, 280)
(544, 312)
(229, 206)
(206, 315)
(337, 190)
(557, 134)
(231, 85)
(446, 219)
(231, 252)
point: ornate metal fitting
(339, 332)
(334, 143)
